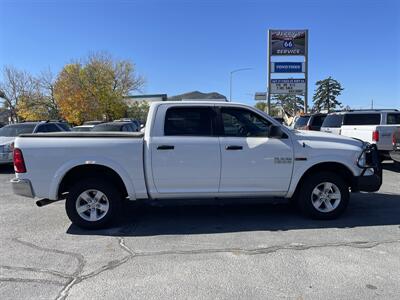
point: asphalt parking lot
(237, 251)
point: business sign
(287, 86)
(260, 96)
(287, 42)
(287, 67)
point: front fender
(302, 166)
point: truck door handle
(233, 147)
(165, 147)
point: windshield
(302, 121)
(333, 121)
(17, 129)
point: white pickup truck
(194, 150)
(375, 126)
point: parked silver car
(8, 134)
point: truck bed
(49, 156)
(89, 134)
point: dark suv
(310, 122)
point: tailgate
(385, 136)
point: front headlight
(362, 159)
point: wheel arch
(90, 170)
(334, 167)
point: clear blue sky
(181, 46)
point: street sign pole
(269, 74)
(306, 74)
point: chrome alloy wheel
(326, 197)
(92, 205)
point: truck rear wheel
(323, 195)
(93, 203)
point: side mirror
(276, 131)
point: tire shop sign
(288, 86)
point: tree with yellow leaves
(94, 90)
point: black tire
(306, 193)
(113, 198)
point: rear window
(362, 119)
(333, 121)
(393, 118)
(302, 121)
(189, 121)
(318, 120)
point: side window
(64, 126)
(133, 127)
(52, 128)
(362, 119)
(318, 120)
(48, 128)
(42, 128)
(393, 118)
(243, 123)
(188, 121)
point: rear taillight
(375, 136)
(19, 163)
(393, 139)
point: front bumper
(373, 181)
(22, 187)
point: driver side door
(252, 162)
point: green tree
(138, 110)
(326, 94)
(291, 104)
(275, 111)
(261, 106)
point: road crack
(77, 276)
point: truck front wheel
(93, 203)
(323, 195)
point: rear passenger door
(185, 156)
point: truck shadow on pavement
(145, 220)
